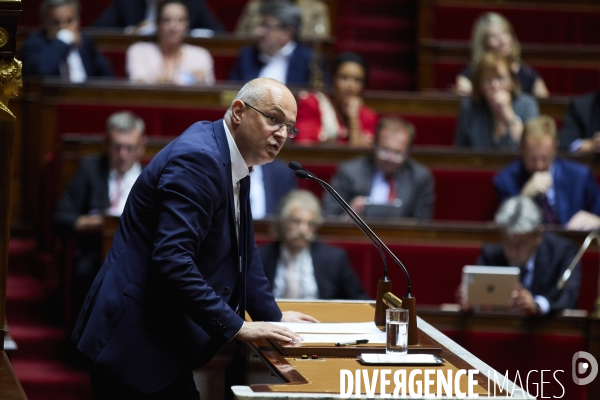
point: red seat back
(464, 195)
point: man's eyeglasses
(290, 130)
(389, 155)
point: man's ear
(238, 108)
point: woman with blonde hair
(493, 32)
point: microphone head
(295, 166)
(302, 174)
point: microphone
(304, 174)
(384, 285)
(295, 166)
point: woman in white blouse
(170, 60)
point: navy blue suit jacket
(552, 259)
(248, 66)
(124, 13)
(44, 57)
(574, 186)
(278, 180)
(164, 300)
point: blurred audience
(343, 117)
(493, 32)
(170, 60)
(277, 54)
(580, 131)
(297, 264)
(100, 187)
(139, 16)
(494, 114)
(387, 176)
(542, 257)
(566, 191)
(269, 184)
(315, 17)
(60, 49)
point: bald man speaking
(183, 267)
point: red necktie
(392, 183)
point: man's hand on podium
(252, 331)
(295, 316)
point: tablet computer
(386, 210)
(489, 286)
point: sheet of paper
(351, 327)
(373, 338)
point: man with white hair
(542, 257)
(298, 266)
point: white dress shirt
(276, 66)
(74, 68)
(308, 288)
(239, 170)
(380, 189)
(258, 201)
(119, 191)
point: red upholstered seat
(453, 202)
(160, 121)
(464, 195)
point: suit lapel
(560, 190)
(320, 276)
(541, 268)
(268, 187)
(104, 172)
(219, 132)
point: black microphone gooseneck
(304, 174)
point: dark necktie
(392, 183)
(547, 211)
(245, 215)
(523, 275)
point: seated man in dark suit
(270, 183)
(60, 49)
(298, 266)
(387, 176)
(580, 131)
(139, 16)
(277, 54)
(100, 186)
(565, 190)
(542, 257)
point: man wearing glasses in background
(100, 187)
(388, 176)
(277, 54)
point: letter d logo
(583, 367)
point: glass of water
(396, 327)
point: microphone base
(383, 286)
(410, 304)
